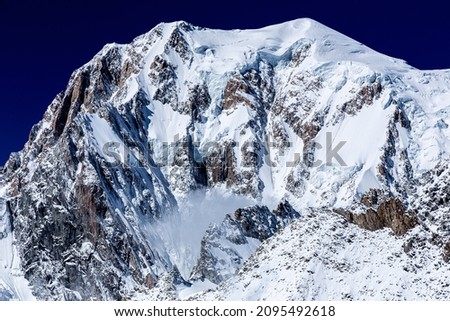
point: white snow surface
(322, 257)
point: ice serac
(194, 159)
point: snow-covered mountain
(288, 162)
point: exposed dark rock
(408, 245)
(401, 118)
(260, 223)
(446, 254)
(389, 213)
(163, 75)
(198, 101)
(365, 96)
(220, 256)
(220, 164)
(177, 42)
(371, 198)
(236, 92)
(300, 55)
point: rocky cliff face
(293, 117)
(226, 247)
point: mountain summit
(289, 159)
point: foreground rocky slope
(323, 257)
(166, 162)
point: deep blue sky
(42, 42)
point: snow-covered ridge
(237, 46)
(124, 187)
(321, 257)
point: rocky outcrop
(67, 237)
(236, 92)
(163, 76)
(446, 253)
(198, 101)
(72, 210)
(224, 249)
(226, 246)
(389, 214)
(364, 97)
(260, 223)
(178, 43)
